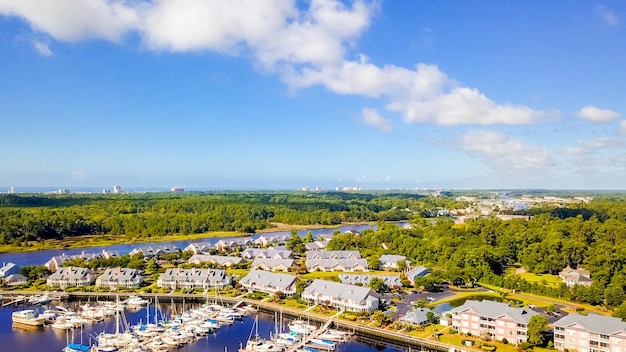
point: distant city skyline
(284, 94)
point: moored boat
(28, 317)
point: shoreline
(106, 240)
(372, 333)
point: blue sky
(288, 94)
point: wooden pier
(361, 330)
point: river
(40, 257)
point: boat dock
(17, 300)
(307, 338)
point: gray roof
(70, 272)
(332, 263)
(491, 309)
(365, 279)
(332, 254)
(339, 290)
(266, 253)
(417, 316)
(272, 263)
(218, 259)
(317, 245)
(595, 323)
(8, 268)
(193, 273)
(391, 259)
(417, 271)
(268, 279)
(120, 274)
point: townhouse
(175, 278)
(345, 265)
(272, 264)
(590, 333)
(492, 320)
(263, 281)
(365, 279)
(115, 278)
(70, 277)
(341, 296)
(270, 239)
(154, 251)
(252, 253)
(221, 260)
(390, 261)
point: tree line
(39, 217)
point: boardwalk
(308, 337)
(372, 333)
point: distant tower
(117, 189)
(12, 190)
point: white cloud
(371, 117)
(607, 16)
(305, 46)
(503, 154)
(622, 128)
(585, 147)
(73, 20)
(42, 49)
(594, 114)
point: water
(227, 338)
(40, 257)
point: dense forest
(590, 235)
(39, 217)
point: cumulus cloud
(42, 48)
(504, 154)
(371, 117)
(305, 46)
(607, 16)
(594, 114)
(73, 20)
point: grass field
(545, 279)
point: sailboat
(256, 343)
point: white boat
(28, 317)
(49, 315)
(62, 324)
(332, 337)
(76, 347)
(323, 344)
(136, 301)
(300, 327)
(156, 345)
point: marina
(163, 327)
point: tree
(377, 284)
(373, 262)
(401, 265)
(432, 318)
(536, 326)
(620, 311)
(309, 237)
(295, 243)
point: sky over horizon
(282, 94)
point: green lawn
(546, 279)
(321, 275)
